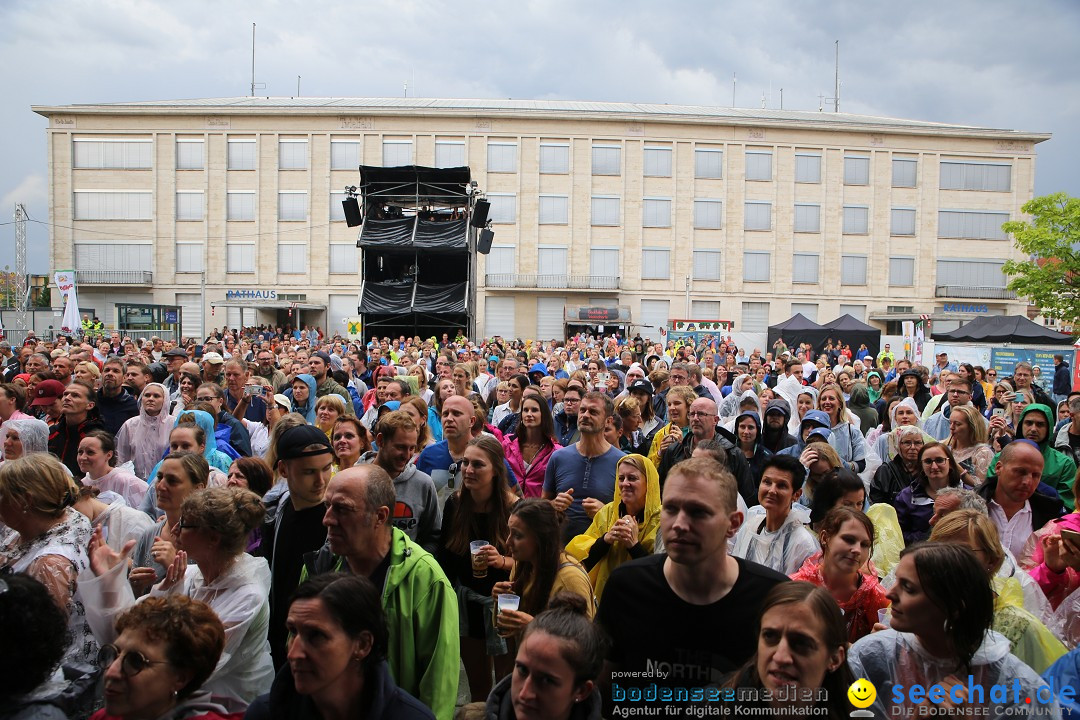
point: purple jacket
(531, 480)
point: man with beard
(324, 384)
(774, 436)
(266, 369)
(115, 404)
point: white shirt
(1014, 532)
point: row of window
(755, 315)
(553, 210)
(502, 157)
(240, 257)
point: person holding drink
(479, 509)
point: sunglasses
(131, 662)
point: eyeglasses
(959, 392)
(935, 461)
(695, 413)
(131, 662)
(186, 525)
(911, 443)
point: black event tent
(855, 333)
(798, 329)
(998, 329)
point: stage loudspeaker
(483, 243)
(480, 213)
(352, 212)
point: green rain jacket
(1059, 470)
(422, 612)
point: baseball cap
(322, 356)
(47, 391)
(821, 432)
(213, 358)
(175, 352)
(283, 401)
(293, 442)
(818, 417)
(641, 386)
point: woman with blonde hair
(88, 372)
(328, 409)
(624, 529)
(967, 439)
(845, 436)
(1031, 641)
(420, 413)
(48, 540)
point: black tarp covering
(393, 298)
(414, 185)
(443, 235)
(798, 329)
(440, 298)
(854, 332)
(1004, 329)
(396, 233)
(386, 297)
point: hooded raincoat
(590, 545)
(215, 458)
(33, 433)
(729, 408)
(891, 659)
(880, 442)
(860, 406)
(761, 453)
(239, 596)
(795, 422)
(1059, 470)
(144, 438)
(776, 440)
(784, 550)
(307, 409)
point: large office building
(230, 209)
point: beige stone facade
(684, 184)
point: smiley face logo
(862, 693)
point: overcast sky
(980, 62)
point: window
(500, 261)
(502, 157)
(503, 208)
(240, 258)
(189, 257)
(804, 268)
(344, 155)
(708, 164)
(856, 170)
(655, 212)
(113, 205)
(343, 259)
(970, 224)
(705, 309)
(241, 154)
(292, 259)
(653, 317)
(292, 154)
(396, 153)
(551, 267)
(856, 220)
(450, 153)
(707, 265)
(856, 311)
(808, 218)
(971, 272)
(553, 209)
(499, 315)
(657, 162)
(807, 310)
(904, 172)
(708, 214)
(240, 206)
(604, 262)
(605, 210)
(758, 165)
(606, 160)
(758, 216)
(292, 206)
(807, 168)
(337, 211)
(655, 264)
(902, 221)
(190, 205)
(852, 269)
(189, 153)
(112, 154)
(110, 256)
(554, 159)
(901, 271)
(756, 266)
(975, 176)
(755, 317)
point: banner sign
(1005, 359)
(974, 354)
(65, 281)
(702, 326)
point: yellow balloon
(862, 693)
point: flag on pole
(65, 281)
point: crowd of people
(277, 523)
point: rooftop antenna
(781, 98)
(732, 89)
(763, 105)
(836, 98)
(406, 88)
(254, 84)
(297, 86)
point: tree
(1051, 240)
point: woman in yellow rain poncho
(624, 528)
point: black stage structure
(417, 250)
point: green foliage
(1050, 276)
(44, 298)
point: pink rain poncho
(143, 439)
